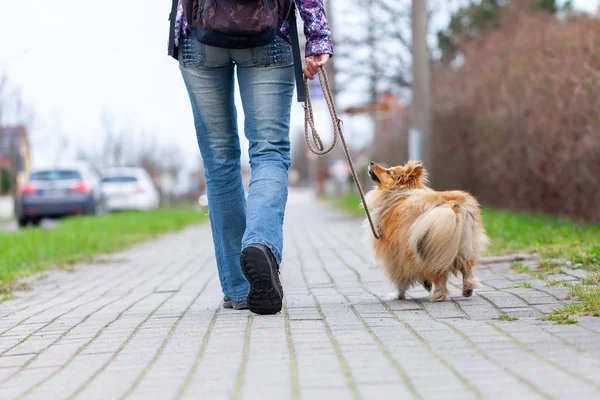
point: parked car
(128, 189)
(57, 193)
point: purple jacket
(316, 27)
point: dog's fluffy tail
(439, 234)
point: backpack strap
(293, 31)
(189, 11)
(173, 50)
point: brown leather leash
(318, 148)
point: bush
(518, 123)
(5, 184)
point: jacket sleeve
(316, 27)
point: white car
(128, 189)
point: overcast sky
(75, 59)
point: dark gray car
(57, 193)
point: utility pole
(420, 137)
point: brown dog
(427, 235)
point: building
(15, 157)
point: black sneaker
(261, 270)
(236, 305)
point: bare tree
(122, 146)
(373, 47)
(13, 110)
(116, 147)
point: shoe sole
(266, 292)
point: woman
(247, 234)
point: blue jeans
(266, 83)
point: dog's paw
(467, 293)
(427, 285)
(439, 297)
(395, 296)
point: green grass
(350, 204)
(525, 285)
(552, 238)
(561, 319)
(549, 236)
(506, 317)
(588, 299)
(79, 239)
(6, 297)
(549, 267)
(524, 269)
(593, 279)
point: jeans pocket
(193, 52)
(278, 53)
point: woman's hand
(313, 63)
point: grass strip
(79, 239)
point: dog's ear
(414, 172)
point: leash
(318, 148)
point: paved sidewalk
(147, 324)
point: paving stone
(146, 324)
(561, 277)
(498, 282)
(446, 309)
(409, 315)
(503, 299)
(547, 308)
(536, 297)
(578, 273)
(590, 323)
(481, 312)
(15, 360)
(522, 312)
